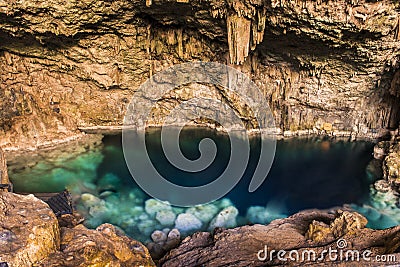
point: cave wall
(324, 66)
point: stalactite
(238, 37)
(179, 39)
(244, 33)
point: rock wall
(324, 66)
(3, 170)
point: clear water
(306, 173)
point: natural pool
(306, 173)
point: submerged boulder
(29, 230)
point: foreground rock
(30, 236)
(304, 232)
(29, 230)
(105, 246)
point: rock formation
(29, 230)
(303, 232)
(4, 180)
(324, 66)
(30, 236)
(105, 246)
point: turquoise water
(306, 173)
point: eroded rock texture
(3, 171)
(323, 66)
(30, 236)
(303, 232)
(29, 230)
(104, 246)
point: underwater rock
(379, 219)
(105, 246)
(89, 200)
(257, 214)
(152, 206)
(147, 226)
(204, 213)
(29, 230)
(262, 215)
(225, 218)
(240, 246)
(166, 217)
(187, 222)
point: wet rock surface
(240, 246)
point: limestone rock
(152, 206)
(29, 230)
(307, 57)
(346, 223)
(105, 246)
(225, 218)
(3, 170)
(186, 222)
(240, 246)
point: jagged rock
(204, 213)
(29, 230)
(391, 166)
(381, 149)
(241, 246)
(105, 246)
(346, 223)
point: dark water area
(306, 172)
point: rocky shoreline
(72, 244)
(32, 238)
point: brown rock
(28, 230)
(346, 223)
(105, 246)
(241, 246)
(3, 170)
